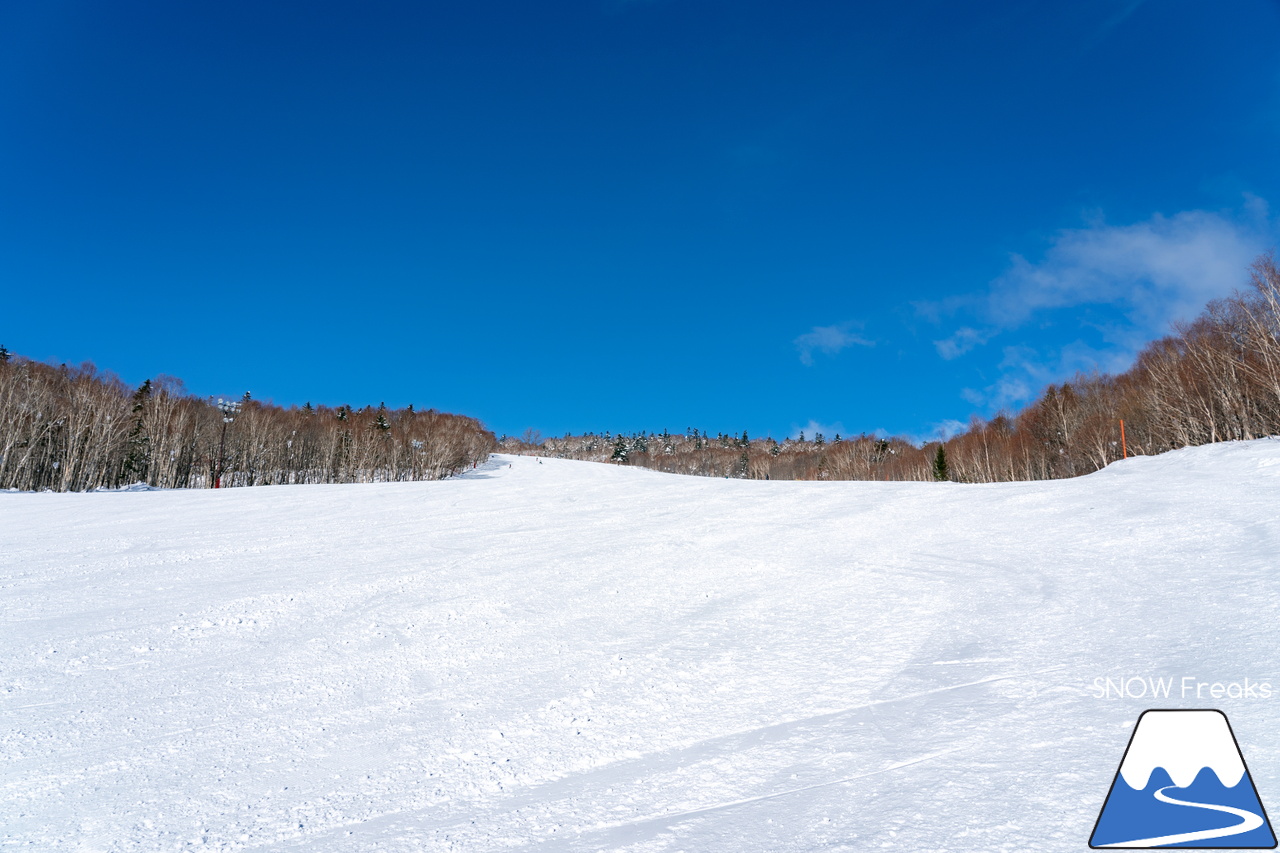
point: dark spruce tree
(138, 459)
(620, 450)
(940, 471)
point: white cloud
(961, 341)
(828, 340)
(1025, 371)
(1157, 271)
(812, 428)
(940, 431)
(948, 428)
(1153, 273)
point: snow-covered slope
(571, 656)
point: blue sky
(630, 214)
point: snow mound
(132, 487)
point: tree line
(1216, 378)
(77, 428)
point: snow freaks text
(1169, 687)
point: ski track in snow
(571, 656)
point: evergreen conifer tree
(620, 450)
(940, 471)
(5, 355)
(138, 459)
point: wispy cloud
(1143, 277)
(940, 431)
(1153, 272)
(1157, 271)
(812, 428)
(948, 428)
(961, 341)
(1024, 371)
(829, 340)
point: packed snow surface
(572, 656)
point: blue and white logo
(1183, 783)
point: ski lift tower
(229, 409)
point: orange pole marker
(1124, 448)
